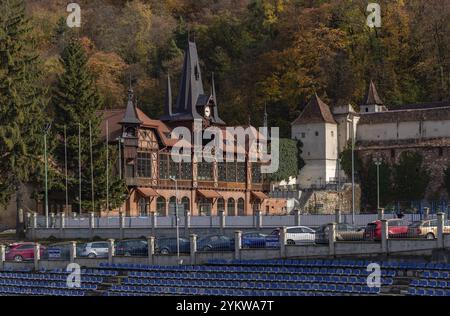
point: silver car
(97, 249)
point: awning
(147, 192)
(259, 195)
(209, 194)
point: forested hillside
(262, 52)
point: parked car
(297, 235)
(426, 229)
(396, 228)
(97, 249)
(60, 251)
(259, 240)
(344, 231)
(215, 242)
(131, 247)
(21, 251)
(168, 245)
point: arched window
(220, 205)
(172, 206)
(231, 207)
(204, 206)
(241, 207)
(161, 206)
(186, 205)
(143, 206)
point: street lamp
(176, 217)
(46, 130)
(378, 162)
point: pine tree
(22, 102)
(76, 103)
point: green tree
(410, 177)
(22, 102)
(447, 179)
(76, 103)
(290, 160)
(370, 185)
(346, 161)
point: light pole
(378, 162)
(353, 171)
(176, 217)
(46, 130)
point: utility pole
(107, 166)
(353, 171)
(79, 165)
(65, 167)
(92, 167)
(46, 129)
(378, 162)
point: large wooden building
(203, 188)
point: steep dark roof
(406, 115)
(191, 93)
(130, 116)
(316, 111)
(419, 106)
(372, 97)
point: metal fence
(309, 220)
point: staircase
(401, 284)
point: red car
(396, 228)
(21, 251)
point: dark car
(259, 240)
(21, 251)
(131, 247)
(216, 243)
(168, 245)
(344, 232)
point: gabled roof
(372, 97)
(316, 111)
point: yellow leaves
(107, 69)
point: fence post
(381, 213)
(52, 220)
(28, 221)
(33, 225)
(237, 244)
(384, 236)
(73, 251)
(332, 238)
(297, 215)
(426, 212)
(91, 224)
(2, 257)
(187, 223)
(337, 214)
(222, 221)
(193, 248)
(62, 224)
(154, 223)
(121, 224)
(37, 256)
(151, 249)
(283, 242)
(440, 230)
(111, 250)
(258, 218)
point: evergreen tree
(447, 179)
(370, 185)
(22, 102)
(410, 178)
(76, 104)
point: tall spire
(131, 116)
(168, 101)
(191, 85)
(213, 88)
(265, 115)
(372, 97)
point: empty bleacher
(236, 278)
